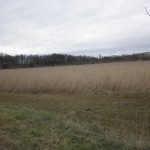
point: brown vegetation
(129, 76)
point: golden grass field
(126, 76)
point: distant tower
(100, 56)
(66, 58)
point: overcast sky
(89, 27)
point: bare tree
(147, 11)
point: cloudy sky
(86, 27)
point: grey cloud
(68, 26)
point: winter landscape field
(99, 106)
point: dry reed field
(126, 76)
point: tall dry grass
(129, 76)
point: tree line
(133, 57)
(8, 61)
(24, 61)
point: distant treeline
(19, 61)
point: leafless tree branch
(147, 11)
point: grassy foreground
(23, 128)
(83, 121)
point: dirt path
(1, 147)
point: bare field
(127, 76)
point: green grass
(24, 128)
(101, 120)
